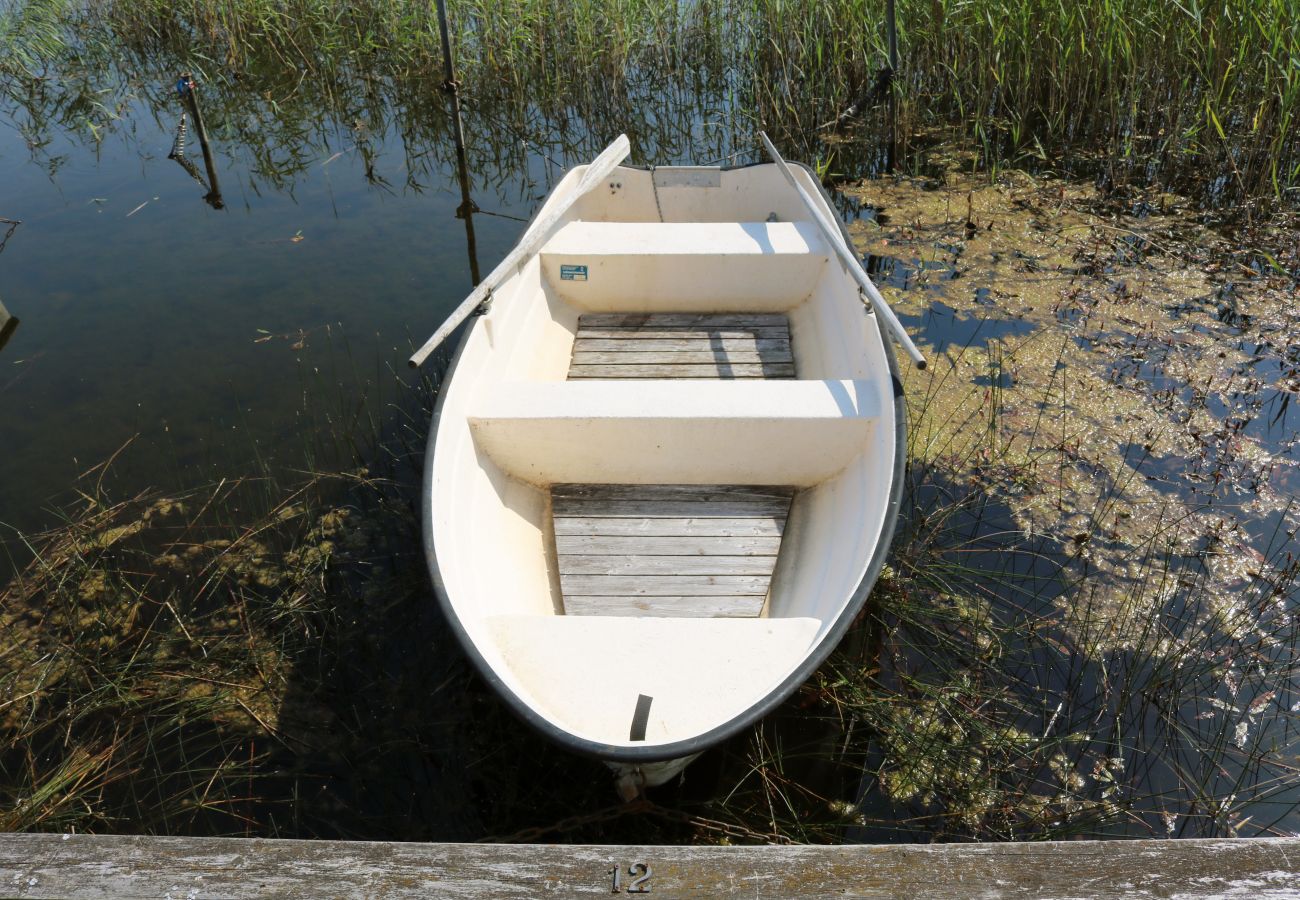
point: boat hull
(644, 763)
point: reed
(1130, 90)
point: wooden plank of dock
(98, 867)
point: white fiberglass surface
(490, 529)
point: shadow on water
(948, 329)
(1006, 709)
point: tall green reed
(1148, 91)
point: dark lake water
(219, 341)
(211, 339)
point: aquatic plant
(1128, 90)
(1087, 627)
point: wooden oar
(533, 238)
(850, 261)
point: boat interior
(664, 459)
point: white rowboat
(664, 470)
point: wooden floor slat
(682, 345)
(727, 370)
(664, 585)
(725, 606)
(689, 357)
(651, 526)
(765, 333)
(589, 544)
(646, 564)
(667, 549)
(687, 320)
(685, 509)
(695, 493)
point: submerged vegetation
(1088, 624)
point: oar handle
(533, 238)
(849, 260)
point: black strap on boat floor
(640, 717)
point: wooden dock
(86, 866)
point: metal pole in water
(452, 87)
(188, 94)
(891, 33)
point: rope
(178, 153)
(654, 185)
(9, 232)
(178, 142)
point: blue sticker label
(573, 273)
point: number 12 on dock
(640, 883)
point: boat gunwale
(812, 660)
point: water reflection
(186, 89)
(342, 193)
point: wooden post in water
(449, 84)
(891, 34)
(8, 324)
(190, 97)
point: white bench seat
(715, 267)
(776, 432)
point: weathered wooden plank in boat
(666, 527)
(666, 545)
(778, 495)
(690, 357)
(640, 509)
(667, 549)
(663, 585)
(697, 344)
(645, 564)
(682, 345)
(743, 606)
(634, 335)
(721, 370)
(684, 320)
